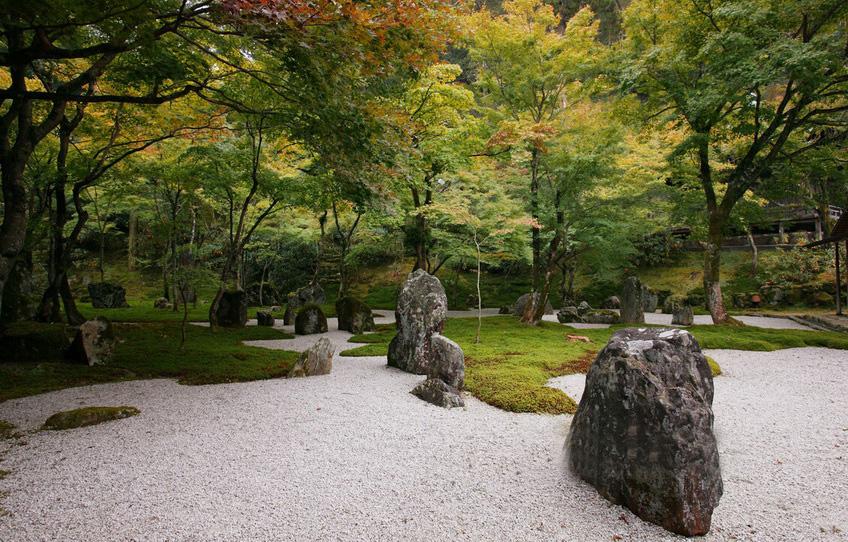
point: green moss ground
(505, 373)
(82, 417)
(151, 350)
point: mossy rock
(715, 368)
(310, 319)
(82, 417)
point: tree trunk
(72, 313)
(712, 272)
(262, 284)
(534, 212)
(479, 298)
(131, 241)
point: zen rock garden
(424, 271)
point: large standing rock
(264, 318)
(316, 360)
(643, 432)
(446, 378)
(650, 299)
(311, 294)
(310, 320)
(631, 302)
(93, 344)
(521, 304)
(422, 307)
(231, 310)
(683, 316)
(105, 295)
(354, 315)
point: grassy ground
(512, 363)
(151, 350)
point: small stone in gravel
(436, 391)
(264, 318)
(316, 360)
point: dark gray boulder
(601, 317)
(446, 378)
(683, 316)
(93, 344)
(264, 318)
(354, 315)
(643, 432)
(315, 360)
(105, 295)
(672, 303)
(311, 294)
(521, 304)
(231, 309)
(568, 315)
(448, 361)
(583, 308)
(612, 302)
(631, 302)
(439, 393)
(162, 303)
(650, 299)
(310, 320)
(504, 310)
(422, 307)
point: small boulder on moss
(310, 320)
(82, 417)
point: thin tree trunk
(479, 298)
(534, 212)
(131, 241)
(754, 252)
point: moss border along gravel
(83, 417)
(513, 362)
(152, 350)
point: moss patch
(513, 362)
(82, 417)
(151, 350)
(715, 368)
(7, 430)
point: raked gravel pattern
(354, 456)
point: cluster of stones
(311, 294)
(643, 432)
(584, 313)
(420, 348)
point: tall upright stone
(631, 302)
(422, 307)
(643, 432)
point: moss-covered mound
(81, 417)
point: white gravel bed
(354, 456)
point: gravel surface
(354, 456)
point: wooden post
(838, 281)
